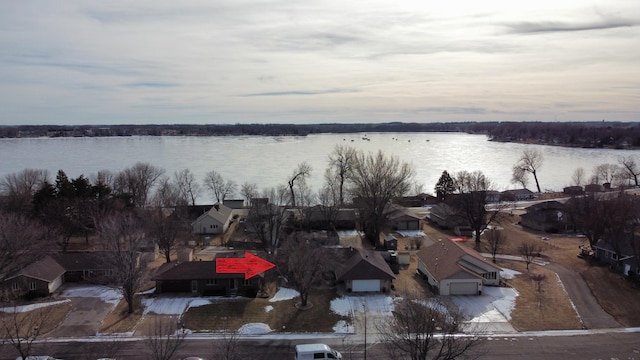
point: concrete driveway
(91, 304)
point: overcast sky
(317, 61)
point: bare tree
(530, 161)
(529, 251)
(496, 241)
(137, 182)
(103, 349)
(187, 185)
(425, 328)
(631, 167)
(220, 188)
(519, 176)
(122, 238)
(298, 178)
(538, 278)
(18, 188)
(166, 218)
(471, 201)
(249, 191)
(228, 347)
(22, 329)
(165, 338)
(340, 166)
(605, 173)
(376, 180)
(21, 241)
(578, 177)
(304, 262)
(266, 218)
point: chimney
(217, 207)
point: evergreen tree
(444, 186)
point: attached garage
(365, 285)
(463, 288)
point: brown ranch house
(200, 278)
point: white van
(316, 351)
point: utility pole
(364, 309)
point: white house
(453, 269)
(214, 221)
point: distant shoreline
(610, 135)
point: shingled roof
(363, 265)
(446, 259)
(45, 269)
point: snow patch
(411, 233)
(104, 293)
(25, 308)
(494, 305)
(172, 306)
(348, 233)
(343, 327)
(254, 329)
(508, 273)
(375, 304)
(284, 294)
(268, 308)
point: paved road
(590, 311)
(616, 344)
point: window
(32, 286)
(614, 256)
(318, 355)
(211, 282)
(15, 286)
(246, 282)
(490, 275)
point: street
(622, 344)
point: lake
(269, 161)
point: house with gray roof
(215, 221)
(365, 271)
(40, 278)
(453, 269)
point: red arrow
(250, 265)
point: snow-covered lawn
(254, 329)
(375, 304)
(172, 305)
(284, 294)
(25, 308)
(342, 233)
(105, 293)
(508, 273)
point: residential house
(40, 278)
(365, 271)
(453, 269)
(419, 200)
(215, 221)
(44, 276)
(573, 190)
(589, 188)
(517, 195)
(625, 262)
(446, 216)
(86, 266)
(548, 216)
(404, 219)
(201, 278)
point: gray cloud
(298, 93)
(559, 26)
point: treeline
(574, 134)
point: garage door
(470, 288)
(365, 285)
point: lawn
(280, 316)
